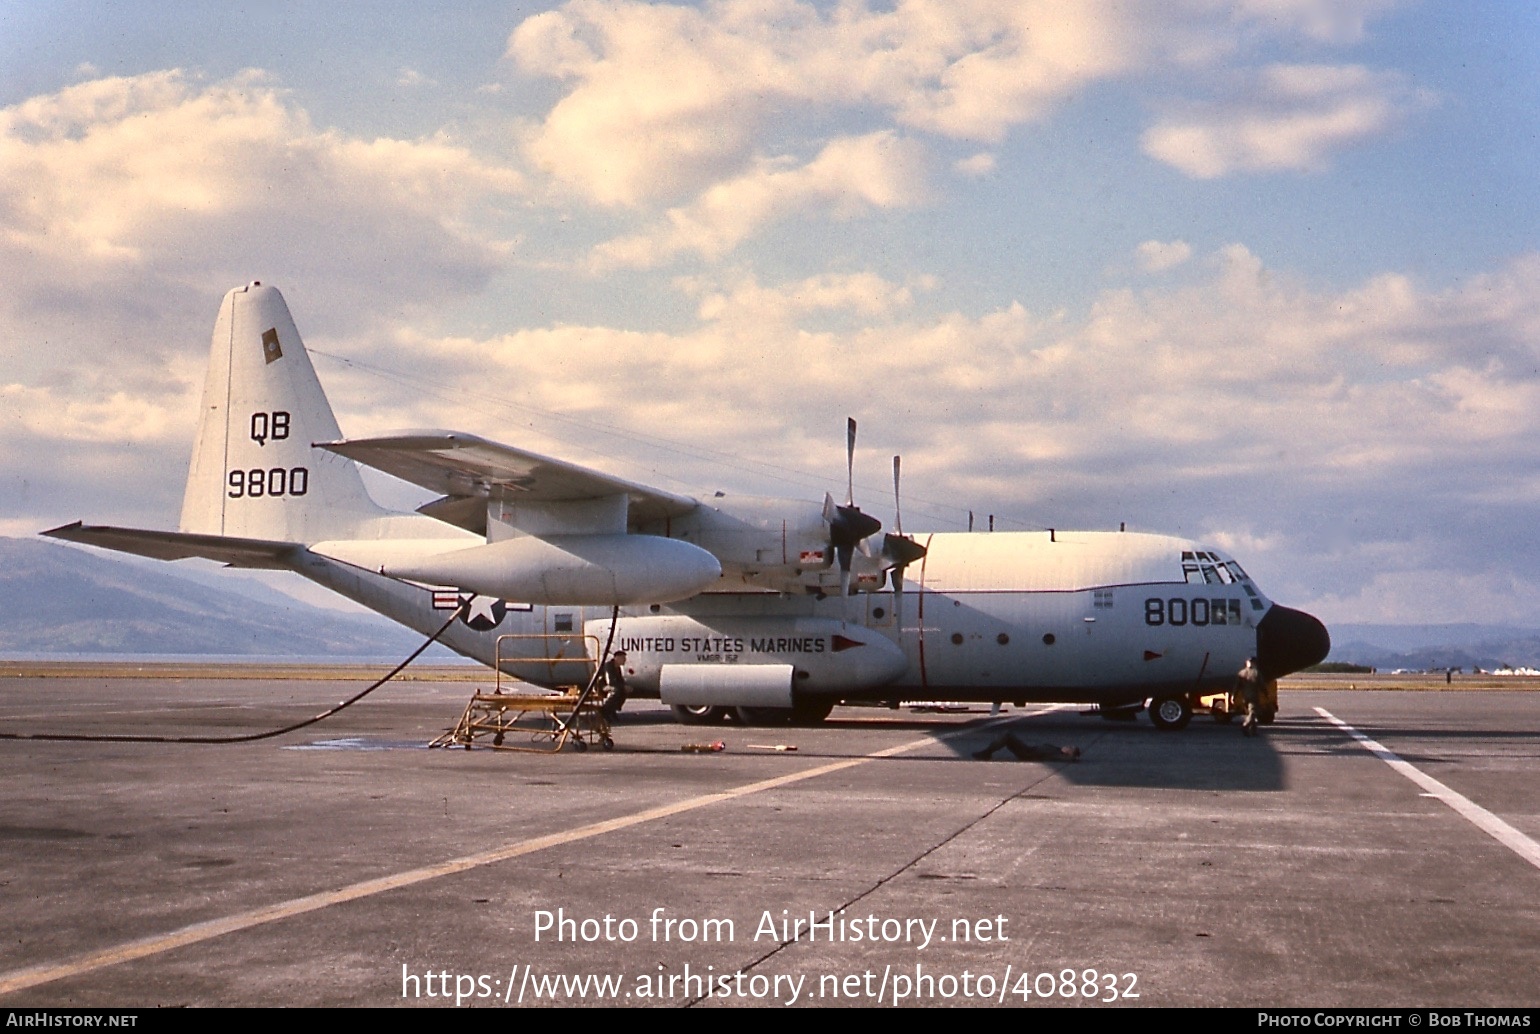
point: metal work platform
(544, 720)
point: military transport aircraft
(765, 608)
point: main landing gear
(1167, 714)
(1171, 713)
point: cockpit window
(1205, 567)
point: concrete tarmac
(349, 865)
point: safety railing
(588, 659)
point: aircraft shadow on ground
(1205, 756)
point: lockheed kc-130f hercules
(766, 608)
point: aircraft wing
(469, 471)
(176, 545)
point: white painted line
(32, 976)
(1472, 812)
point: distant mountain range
(57, 599)
(1425, 647)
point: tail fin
(254, 473)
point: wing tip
(63, 530)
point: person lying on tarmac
(1027, 751)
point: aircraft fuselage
(1096, 617)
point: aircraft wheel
(579, 745)
(1266, 716)
(1224, 717)
(810, 712)
(763, 715)
(607, 743)
(1170, 713)
(698, 714)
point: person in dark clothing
(1248, 686)
(612, 682)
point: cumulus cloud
(848, 177)
(121, 416)
(1377, 382)
(1159, 256)
(659, 103)
(412, 77)
(976, 165)
(164, 175)
(700, 120)
(1288, 118)
(863, 294)
(663, 100)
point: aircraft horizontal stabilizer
(464, 466)
(176, 545)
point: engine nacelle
(571, 570)
(827, 657)
(776, 544)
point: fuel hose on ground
(248, 737)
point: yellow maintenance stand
(1225, 706)
(544, 720)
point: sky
(1262, 273)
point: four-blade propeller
(849, 527)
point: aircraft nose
(1288, 640)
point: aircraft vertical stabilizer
(254, 471)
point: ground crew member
(1248, 686)
(612, 678)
